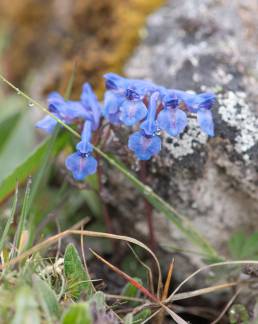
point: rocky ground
(203, 45)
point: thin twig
(210, 266)
(150, 276)
(227, 306)
(148, 209)
(53, 239)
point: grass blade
(10, 220)
(24, 215)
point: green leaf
(142, 315)
(23, 218)
(7, 126)
(238, 314)
(9, 221)
(78, 314)
(128, 319)
(250, 248)
(30, 164)
(18, 145)
(242, 247)
(78, 281)
(26, 308)
(47, 297)
(236, 244)
(131, 291)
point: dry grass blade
(150, 317)
(146, 292)
(150, 276)
(175, 317)
(203, 291)
(160, 317)
(168, 280)
(210, 266)
(135, 283)
(55, 238)
(138, 300)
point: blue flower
(146, 143)
(112, 103)
(116, 83)
(114, 97)
(91, 105)
(201, 104)
(82, 163)
(172, 119)
(47, 124)
(66, 111)
(53, 99)
(144, 146)
(132, 109)
(194, 102)
(149, 126)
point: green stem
(181, 222)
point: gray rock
(204, 45)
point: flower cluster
(135, 103)
(156, 109)
(87, 110)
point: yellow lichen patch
(98, 34)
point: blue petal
(85, 146)
(115, 82)
(149, 126)
(80, 166)
(144, 147)
(204, 117)
(173, 121)
(53, 99)
(196, 101)
(143, 87)
(91, 104)
(170, 100)
(71, 110)
(132, 112)
(47, 124)
(112, 103)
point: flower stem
(148, 210)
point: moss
(98, 34)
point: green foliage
(142, 315)
(9, 221)
(242, 246)
(26, 308)
(238, 314)
(29, 165)
(78, 281)
(24, 216)
(128, 319)
(131, 291)
(7, 126)
(78, 314)
(46, 296)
